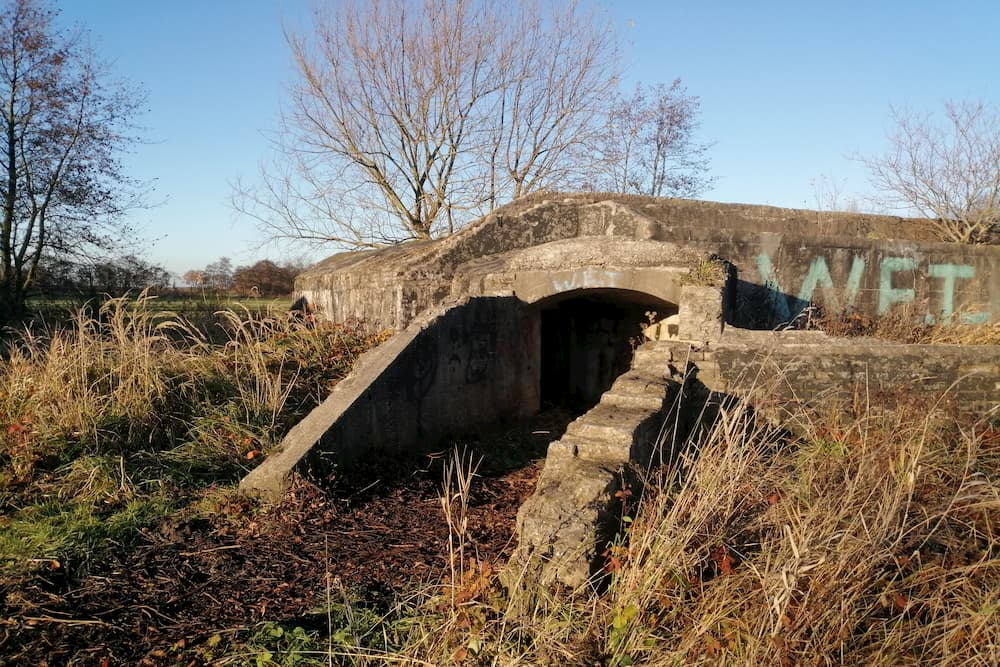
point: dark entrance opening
(588, 337)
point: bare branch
(62, 125)
(648, 145)
(946, 169)
(411, 117)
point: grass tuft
(118, 417)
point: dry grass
(458, 473)
(905, 324)
(874, 540)
(871, 538)
(108, 422)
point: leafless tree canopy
(648, 145)
(62, 125)
(559, 72)
(411, 117)
(947, 169)
(829, 195)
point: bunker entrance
(587, 341)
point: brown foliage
(265, 278)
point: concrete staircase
(577, 505)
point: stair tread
(613, 414)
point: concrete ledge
(271, 478)
(809, 367)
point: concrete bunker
(538, 303)
(587, 339)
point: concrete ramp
(308, 444)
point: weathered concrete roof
(661, 212)
(799, 253)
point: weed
(276, 645)
(120, 417)
(459, 471)
(708, 271)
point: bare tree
(411, 117)
(114, 276)
(648, 146)
(559, 71)
(62, 124)
(946, 169)
(219, 274)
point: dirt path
(376, 530)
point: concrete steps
(638, 389)
(575, 509)
(677, 355)
(612, 424)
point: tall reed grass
(128, 409)
(870, 539)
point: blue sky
(789, 90)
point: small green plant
(275, 645)
(708, 271)
(620, 622)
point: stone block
(700, 314)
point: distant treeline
(62, 279)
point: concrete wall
(471, 366)
(446, 374)
(882, 373)
(777, 276)
(783, 259)
(812, 368)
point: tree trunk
(12, 307)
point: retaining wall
(792, 368)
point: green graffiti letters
(776, 296)
(890, 291)
(819, 276)
(887, 294)
(948, 273)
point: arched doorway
(587, 340)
